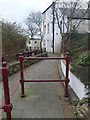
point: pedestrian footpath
(42, 100)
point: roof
(48, 8)
(79, 13)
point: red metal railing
(4, 72)
(8, 106)
(12, 57)
(22, 80)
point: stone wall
(80, 108)
(14, 67)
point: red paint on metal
(67, 71)
(43, 58)
(45, 49)
(41, 50)
(44, 80)
(21, 74)
(7, 106)
(22, 81)
(3, 59)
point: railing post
(67, 72)
(21, 74)
(35, 52)
(28, 54)
(45, 49)
(3, 59)
(7, 106)
(41, 50)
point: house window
(48, 28)
(29, 42)
(35, 42)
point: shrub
(13, 38)
(84, 59)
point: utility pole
(53, 24)
(89, 26)
(63, 33)
(62, 49)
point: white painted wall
(48, 37)
(34, 43)
(77, 86)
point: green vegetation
(77, 45)
(13, 38)
(84, 59)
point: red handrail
(8, 106)
(22, 80)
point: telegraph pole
(53, 24)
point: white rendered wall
(77, 86)
(48, 37)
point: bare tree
(69, 16)
(34, 21)
(31, 30)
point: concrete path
(42, 100)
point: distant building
(33, 43)
(48, 31)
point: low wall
(15, 66)
(77, 86)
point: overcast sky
(18, 10)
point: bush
(80, 56)
(13, 38)
(84, 59)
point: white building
(48, 31)
(34, 43)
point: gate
(22, 79)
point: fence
(22, 79)
(14, 57)
(8, 106)
(4, 72)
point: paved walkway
(42, 100)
